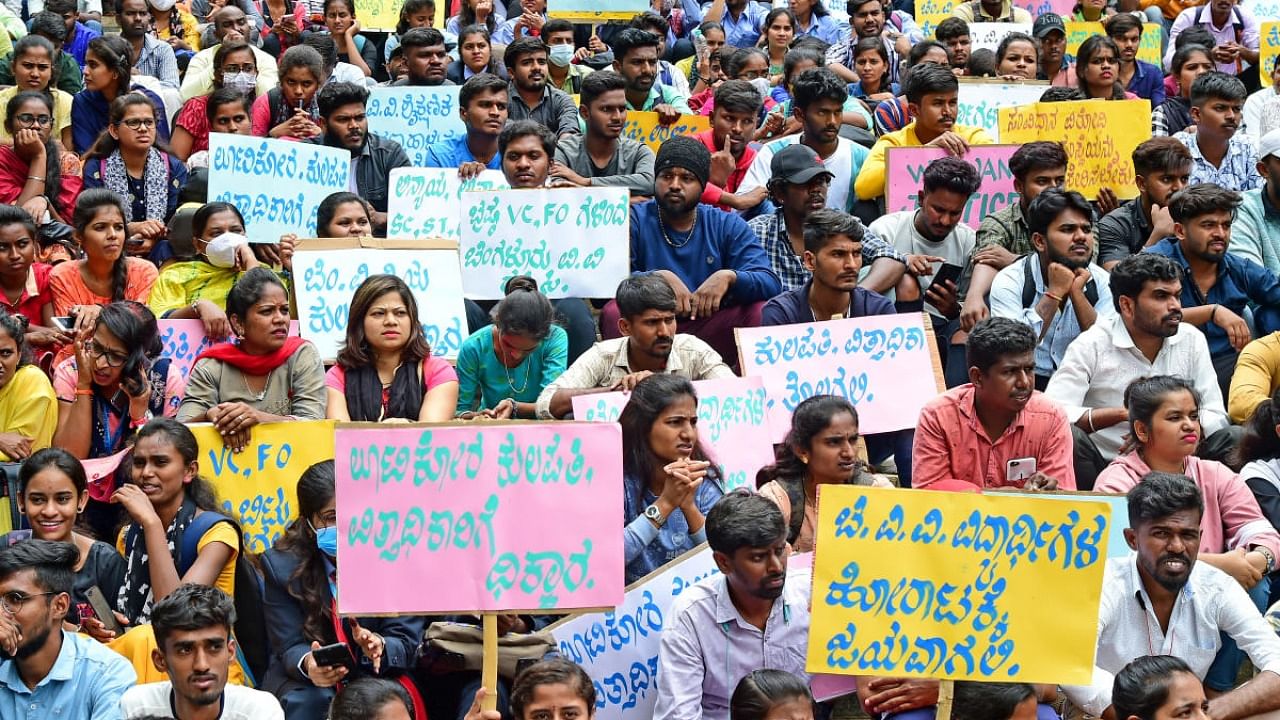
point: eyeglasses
(233, 69)
(12, 602)
(138, 123)
(29, 120)
(114, 359)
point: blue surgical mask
(327, 540)
(561, 55)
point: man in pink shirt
(733, 124)
(996, 430)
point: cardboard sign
(382, 15)
(980, 102)
(904, 172)
(1268, 50)
(259, 484)
(731, 424)
(328, 272)
(276, 184)
(575, 242)
(931, 12)
(619, 648)
(518, 517)
(860, 359)
(956, 585)
(184, 340)
(595, 11)
(427, 202)
(643, 126)
(1098, 135)
(1263, 10)
(1079, 31)
(988, 35)
(1040, 7)
(415, 117)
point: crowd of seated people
(1121, 347)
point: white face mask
(221, 250)
(162, 5)
(241, 82)
(561, 55)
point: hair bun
(524, 283)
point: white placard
(427, 202)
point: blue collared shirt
(1147, 82)
(1006, 301)
(86, 682)
(823, 27)
(453, 152)
(648, 547)
(1240, 282)
(744, 31)
(1239, 170)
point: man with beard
(646, 318)
(896, 30)
(733, 125)
(532, 98)
(602, 157)
(195, 649)
(1138, 77)
(153, 57)
(712, 261)
(1160, 601)
(229, 23)
(1147, 337)
(1218, 154)
(48, 671)
(426, 59)
(1256, 233)
(1051, 31)
(373, 158)
(996, 430)
(1057, 290)
(1217, 286)
(635, 58)
(754, 614)
(1161, 167)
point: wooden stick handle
(489, 669)
(946, 693)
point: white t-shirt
(238, 702)
(899, 230)
(844, 165)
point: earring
(804, 460)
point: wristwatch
(654, 515)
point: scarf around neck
(135, 599)
(233, 355)
(155, 183)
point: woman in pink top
(1164, 422)
(1098, 70)
(385, 369)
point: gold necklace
(507, 370)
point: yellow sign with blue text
(959, 586)
(644, 127)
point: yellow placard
(929, 13)
(956, 585)
(1098, 135)
(258, 485)
(595, 11)
(1079, 31)
(644, 127)
(384, 15)
(1268, 50)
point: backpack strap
(189, 550)
(1029, 286)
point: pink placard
(732, 424)
(1040, 7)
(184, 340)
(905, 170)
(881, 364)
(479, 517)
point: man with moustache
(754, 614)
(47, 671)
(1217, 286)
(426, 59)
(1147, 337)
(1057, 290)
(1160, 601)
(1161, 167)
(482, 103)
(602, 157)
(532, 98)
(195, 649)
(373, 157)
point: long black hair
(199, 490)
(315, 490)
(1141, 688)
(52, 148)
(87, 206)
(649, 398)
(134, 325)
(810, 417)
(363, 388)
(1260, 441)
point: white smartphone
(1019, 469)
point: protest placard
(1268, 50)
(731, 424)
(619, 648)
(416, 117)
(1116, 545)
(1040, 7)
(956, 585)
(183, 341)
(857, 359)
(980, 101)
(258, 485)
(987, 35)
(1263, 10)
(574, 241)
(1098, 135)
(517, 517)
(643, 126)
(427, 202)
(277, 185)
(1079, 30)
(595, 11)
(905, 170)
(327, 273)
(931, 12)
(381, 15)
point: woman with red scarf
(266, 376)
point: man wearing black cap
(1052, 34)
(711, 259)
(798, 185)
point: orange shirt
(69, 290)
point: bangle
(35, 177)
(1092, 429)
(146, 418)
(1056, 298)
(86, 391)
(1213, 313)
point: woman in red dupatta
(265, 376)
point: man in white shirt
(195, 648)
(753, 615)
(1146, 338)
(228, 23)
(1162, 602)
(1057, 290)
